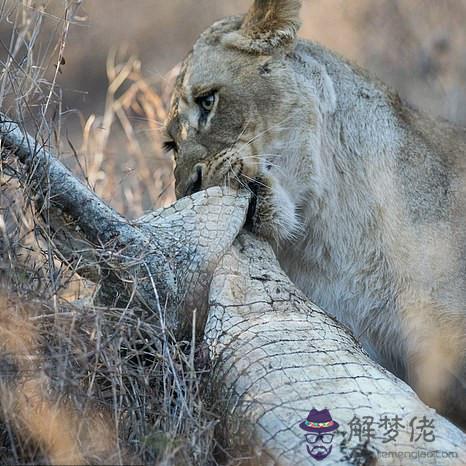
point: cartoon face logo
(320, 428)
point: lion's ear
(269, 25)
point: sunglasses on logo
(313, 438)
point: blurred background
(416, 46)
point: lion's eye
(206, 102)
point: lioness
(362, 197)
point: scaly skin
(277, 356)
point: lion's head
(246, 110)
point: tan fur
(363, 198)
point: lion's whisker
(278, 126)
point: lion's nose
(195, 182)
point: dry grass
(44, 420)
(92, 385)
(81, 384)
(134, 114)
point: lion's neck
(340, 262)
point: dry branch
(274, 353)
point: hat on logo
(319, 422)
